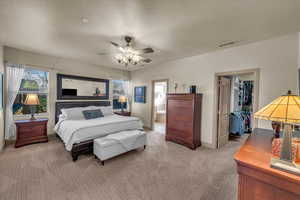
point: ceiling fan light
(136, 58)
(129, 55)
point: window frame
(38, 115)
(126, 92)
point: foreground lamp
(284, 109)
(122, 100)
(32, 100)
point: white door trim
(256, 72)
(152, 97)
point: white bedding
(75, 131)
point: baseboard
(2, 147)
(208, 145)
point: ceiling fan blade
(115, 44)
(147, 60)
(104, 53)
(146, 50)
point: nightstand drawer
(27, 131)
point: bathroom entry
(159, 99)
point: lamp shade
(32, 99)
(284, 109)
(122, 99)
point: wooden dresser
(31, 131)
(184, 119)
(257, 180)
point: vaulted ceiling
(174, 28)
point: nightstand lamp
(122, 100)
(284, 109)
(32, 100)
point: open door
(159, 100)
(223, 111)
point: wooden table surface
(253, 160)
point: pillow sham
(92, 114)
(106, 110)
(74, 113)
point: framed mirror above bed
(71, 87)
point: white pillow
(74, 113)
(106, 110)
(61, 117)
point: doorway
(237, 97)
(159, 101)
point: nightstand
(124, 113)
(31, 131)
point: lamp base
(285, 166)
(32, 109)
(32, 118)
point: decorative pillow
(74, 113)
(92, 114)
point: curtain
(128, 94)
(15, 73)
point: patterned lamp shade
(284, 109)
(32, 99)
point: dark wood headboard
(72, 104)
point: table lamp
(122, 100)
(284, 109)
(32, 100)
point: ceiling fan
(128, 54)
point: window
(119, 89)
(34, 81)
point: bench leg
(102, 161)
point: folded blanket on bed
(75, 131)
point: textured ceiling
(174, 28)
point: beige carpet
(164, 171)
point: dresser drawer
(179, 137)
(186, 135)
(183, 126)
(182, 113)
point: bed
(78, 134)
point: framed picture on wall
(140, 94)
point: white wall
(1, 110)
(276, 58)
(60, 65)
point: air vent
(227, 44)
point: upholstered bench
(118, 143)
